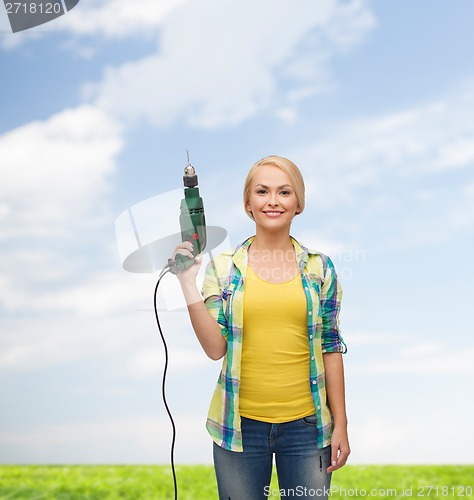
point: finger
(185, 245)
(340, 461)
(343, 458)
(189, 245)
(334, 451)
(334, 455)
(183, 251)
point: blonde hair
(289, 168)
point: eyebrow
(279, 187)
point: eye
(260, 191)
(285, 193)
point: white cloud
(287, 115)
(48, 340)
(149, 362)
(233, 62)
(98, 295)
(117, 18)
(54, 172)
(375, 439)
(377, 338)
(112, 19)
(55, 176)
(132, 440)
(122, 334)
(102, 314)
(400, 165)
(365, 153)
(423, 350)
(419, 360)
(382, 439)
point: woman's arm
(334, 370)
(207, 329)
(205, 326)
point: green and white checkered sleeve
(331, 296)
(213, 298)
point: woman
(271, 309)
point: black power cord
(163, 392)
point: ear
(247, 208)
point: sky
(373, 100)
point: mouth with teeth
(272, 213)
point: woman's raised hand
(186, 248)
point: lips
(272, 213)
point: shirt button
(306, 288)
(310, 336)
(319, 407)
(310, 313)
(312, 358)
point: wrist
(190, 291)
(340, 422)
(186, 282)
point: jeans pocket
(310, 420)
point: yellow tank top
(275, 351)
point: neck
(272, 241)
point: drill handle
(197, 236)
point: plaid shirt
(223, 293)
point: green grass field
(133, 482)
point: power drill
(191, 221)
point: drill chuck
(190, 179)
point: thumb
(198, 258)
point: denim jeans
(300, 464)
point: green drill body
(191, 219)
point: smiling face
(272, 199)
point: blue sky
(372, 100)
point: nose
(273, 199)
